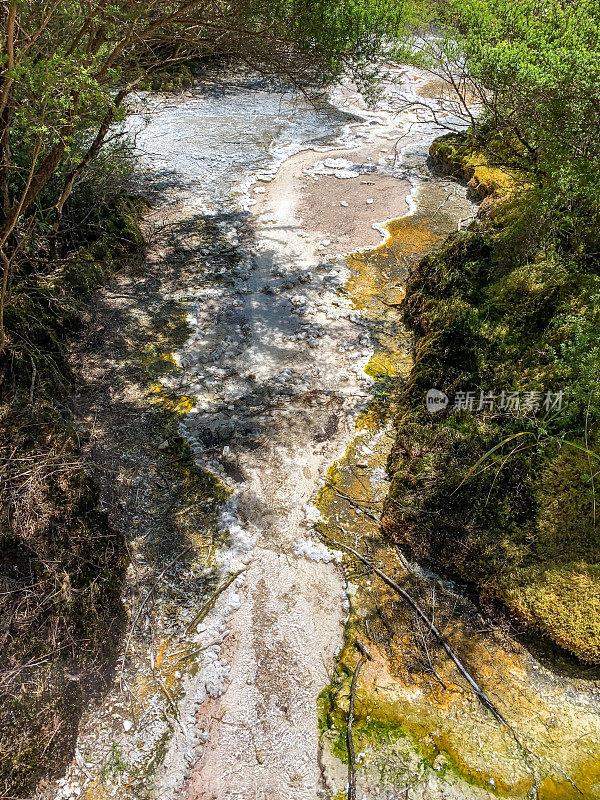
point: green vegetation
(61, 575)
(67, 68)
(532, 71)
(61, 565)
(507, 499)
(115, 765)
(526, 510)
(533, 68)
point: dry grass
(61, 572)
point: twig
(587, 417)
(143, 603)
(364, 657)
(399, 554)
(424, 640)
(213, 599)
(442, 204)
(485, 700)
(387, 304)
(33, 377)
(162, 686)
(355, 503)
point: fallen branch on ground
(387, 304)
(162, 687)
(143, 603)
(531, 758)
(401, 557)
(364, 657)
(485, 700)
(356, 503)
(197, 619)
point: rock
(439, 762)
(127, 725)
(163, 445)
(344, 203)
(370, 201)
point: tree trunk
(3, 290)
(92, 152)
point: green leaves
(537, 66)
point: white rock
(370, 201)
(127, 725)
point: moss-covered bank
(503, 493)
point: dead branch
(145, 600)
(416, 608)
(354, 502)
(213, 599)
(364, 657)
(162, 686)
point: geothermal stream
(274, 367)
(284, 341)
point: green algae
(407, 741)
(402, 751)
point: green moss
(44, 310)
(497, 309)
(474, 162)
(156, 362)
(174, 79)
(563, 601)
(402, 752)
(381, 365)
